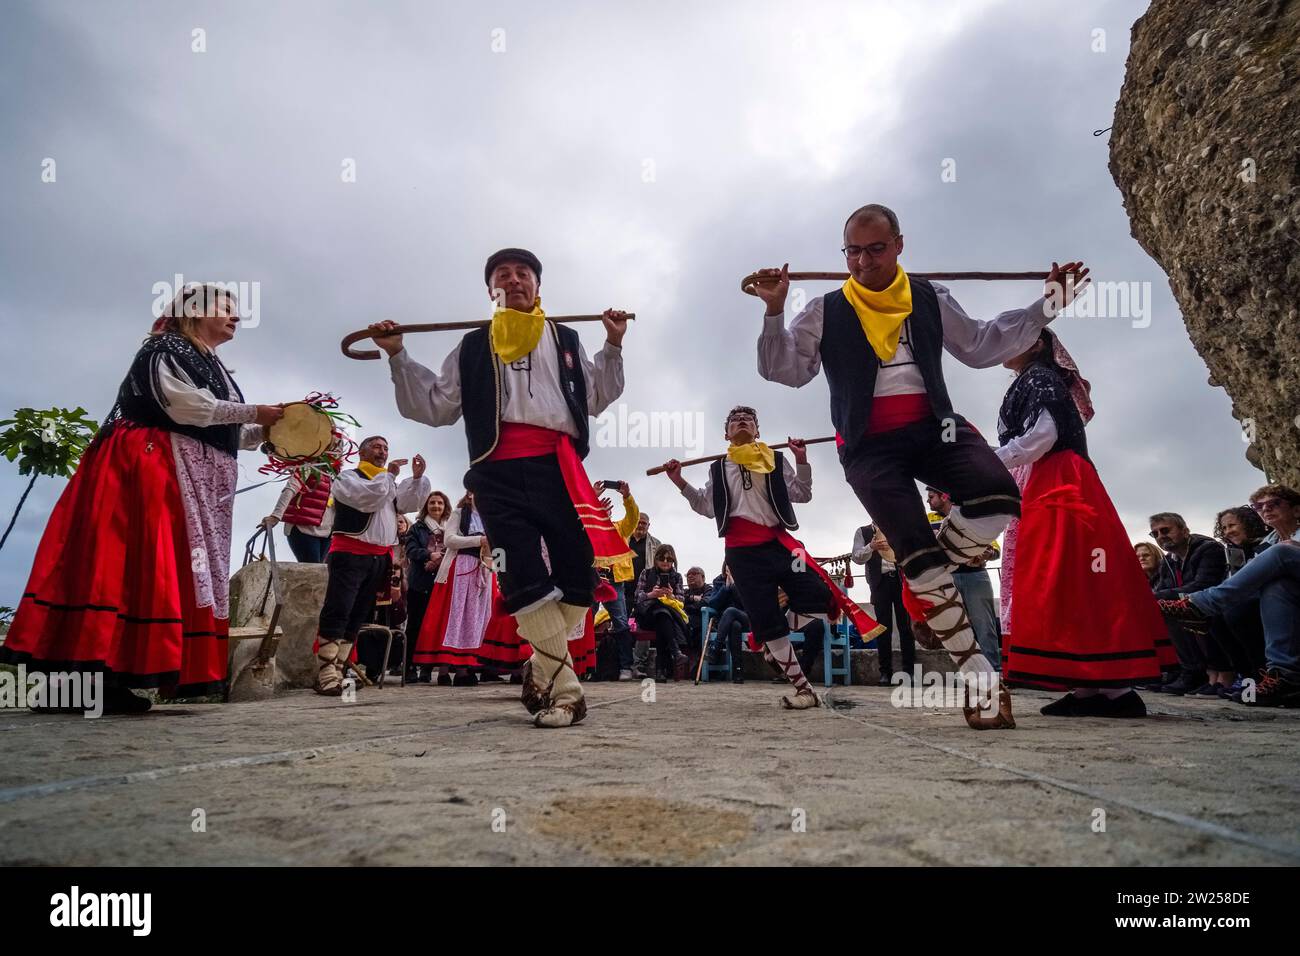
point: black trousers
(523, 502)
(417, 602)
(884, 469)
(354, 581)
(887, 602)
(758, 570)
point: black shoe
(444, 680)
(465, 679)
(120, 700)
(1060, 708)
(491, 678)
(413, 675)
(1274, 690)
(1183, 685)
(1207, 690)
(738, 676)
(1099, 705)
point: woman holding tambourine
(131, 577)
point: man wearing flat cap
(526, 389)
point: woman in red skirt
(131, 577)
(1077, 611)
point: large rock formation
(303, 593)
(1206, 150)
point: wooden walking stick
(749, 284)
(704, 649)
(353, 337)
(659, 469)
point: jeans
(618, 628)
(976, 591)
(306, 548)
(1273, 576)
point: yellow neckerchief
(514, 334)
(369, 470)
(881, 313)
(755, 456)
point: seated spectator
(1149, 556)
(659, 593)
(697, 594)
(1238, 635)
(1273, 578)
(733, 623)
(1192, 563)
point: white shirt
(530, 386)
(383, 497)
(793, 356)
(1032, 445)
(751, 504)
(187, 404)
(862, 554)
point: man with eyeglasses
(881, 339)
(1192, 562)
(1273, 577)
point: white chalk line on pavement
(1180, 819)
(12, 794)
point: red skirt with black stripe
(505, 650)
(1082, 612)
(111, 588)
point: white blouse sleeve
(798, 481)
(791, 356)
(423, 395)
(604, 377)
(187, 404)
(985, 344)
(701, 502)
(1032, 445)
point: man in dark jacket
(1192, 563)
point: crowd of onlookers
(1231, 600)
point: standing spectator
(733, 622)
(643, 546)
(1273, 578)
(1192, 563)
(696, 597)
(620, 575)
(659, 593)
(871, 549)
(424, 553)
(308, 510)
(460, 604)
(974, 584)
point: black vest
(137, 398)
(777, 494)
(349, 520)
(480, 388)
(851, 364)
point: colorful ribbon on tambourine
(333, 459)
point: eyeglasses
(1264, 503)
(1162, 532)
(873, 251)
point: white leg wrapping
(551, 689)
(965, 539)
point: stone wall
(303, 593)
(1206, 151)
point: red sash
(519, 440)
(742, 533)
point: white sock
(544, 628)
(936, 587)
(783, 652)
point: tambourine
(304, 432)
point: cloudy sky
(651, 154)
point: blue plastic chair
(837, 641)
(707, 614)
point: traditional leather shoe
(805, 699)
(1002, 720)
